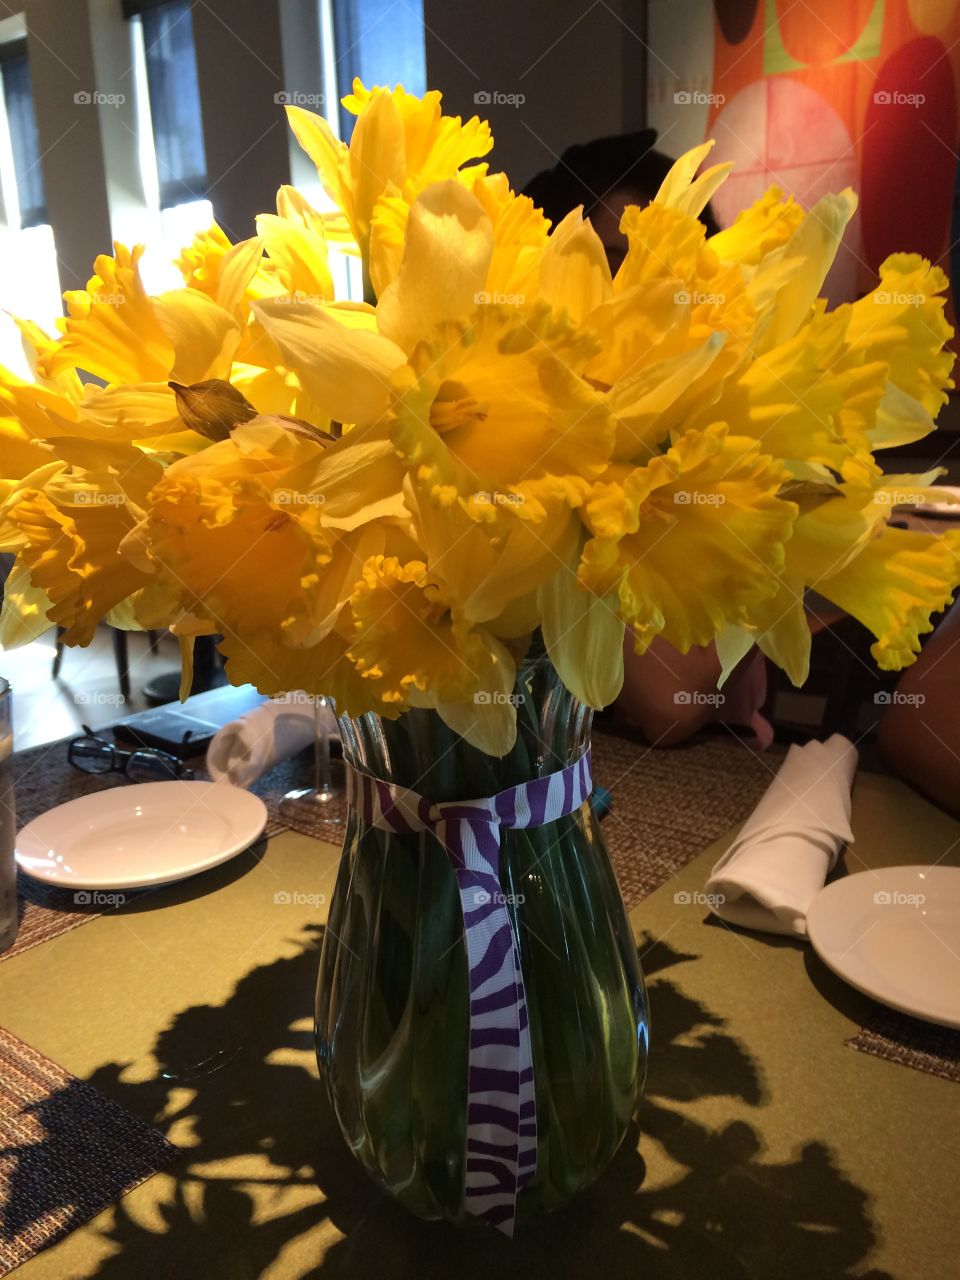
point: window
(170, 131)
(173, 91)
(381, 41)
(30, 287)
(27, 194)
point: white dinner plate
(895, 935)
(145, 833)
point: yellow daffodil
(384, 500)
(894, 585)
(295, 239)
(262, 537)
(691, 540)
(400, 145)
(501, 441)
(835, 528)
(71, 532)
(420, 651)
(901, 324)
(766, 226)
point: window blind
(174, 92)
(24, 140)
(381, 41)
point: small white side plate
(895, 935)
(140, 834)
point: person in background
(669, 696)
(920, 730)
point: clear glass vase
(392, 1013)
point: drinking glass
(329, 782)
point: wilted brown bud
(212, 407)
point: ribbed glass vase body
(392, 1013)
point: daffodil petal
(814, 244)
(112, 328)
(584, 637)
(574, 273)
(346, 369)
(681, 190)
(24, 615)
(733, 644)
(900, 420)
(894, 586)
(449, 244)
(691, 539)
(783, 630)
(203, 335)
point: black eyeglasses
(93, 754)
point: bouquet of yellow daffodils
(383, 500)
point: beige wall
(579, 66)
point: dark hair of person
(590, 171)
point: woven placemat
(66, 1152)
(669, 805)
(42, 780)
(897, 1037)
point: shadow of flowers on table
(266, 1172)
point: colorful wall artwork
(816, 95)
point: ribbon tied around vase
(501, 1151)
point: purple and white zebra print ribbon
(501, 1104)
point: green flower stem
(393, 993)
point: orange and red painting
(816, 95)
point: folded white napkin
(780, 860)
(250, 745)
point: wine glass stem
(321, 747)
